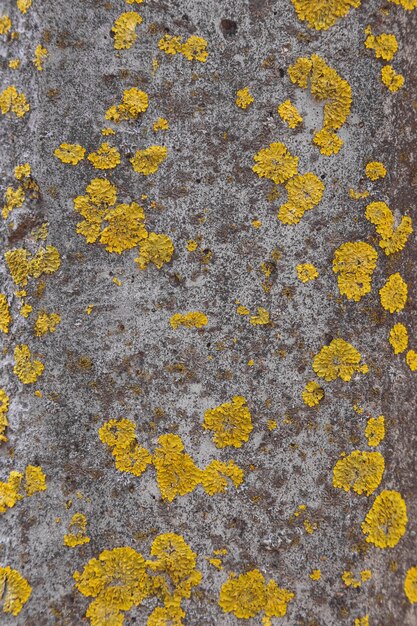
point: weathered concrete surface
(164, 380)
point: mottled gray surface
(128, 338)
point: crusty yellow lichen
(315, 574)
(14, 64)
(46, 323)
(398, 338)
(408, 5)
(21, 171)
(194, 319)
(393, 294)
(25, 310)
(26, 369)
(77, 531)
(362, 621)
(304, 192)
(276, 163)
(393, 239)
(5, 24)
(306, 272)
(248, 595)
(385, 46)
(375, 170)
(129, 456)
(375, 431)
(71, 153)
(338, 360)
(261, 318)
(14, 198)
(11, 101)
(106, 157)
(351, 580)
(15, 590)
(194, 48)
(244, 98)
(124, 229)
(160, 124)
(124, 30)
(23, 5)
(101, 194)
(354, 263)
(10, 491)
(35, 480)
(147, 161)
(133, 103)
(313, 394)
(5, 317)
(230, 422)
(40, 54)
(4, 409)
(323, 15)
(360, 471)
(411, 360)
(410, 584)
(386, 521)
(157, 249)
(22, 264)
(391, 79)
(289, 114)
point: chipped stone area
(118, 351)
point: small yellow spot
(89, 309)
(411, 360)
(244, 98)
(375, 170)
(289, 113)
(315, 574)
(14, 64)
(25, 310)
(160, 124)
(251, 363)
(107, 131)
(306, 272)
(192, 245)
(117, 281)
(272, 424)
(313, 394)
(40, 54)
(256, 223)
(77, 530)
(21, 171)
(23, 5)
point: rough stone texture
(164, 380)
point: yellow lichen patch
(125, 228)
(14, 198)
(129, 456)
(26, 369)
(410, 584)
(391, 79)
(289, 114)
(46, 323)
(14, 64)
(315, 574)
(351, 581)
(214, 477)
(304, 192)
(411, 360)
(385, 46)
(393, 239)
(40, 54)
(375, 170)
(22, 171)
(261, 319)
(9, 491)
(192, 245)
(360, 471)
(5, 317)
(11, 101)
(375, 430)
(107, 157)
(272, 425)
(35, 480)
(157, 249)
(170, 44)
(244, 98)
(408, 5)
(248, 594)
(338, 360)
(386, 521)
(398, 338)
(275, 163)
(124, 30)
(362, 621)
(194, 319)
(176, 472)
(5, 24)
(306, 272)
(328, 142)
(313, 394)
(160, 124)
(324, 14)
(101, 194)
(71, 153)
(23, 5)
(4, 409)
(147, 161)
(195, 49)
(107, 131)
(354, 263)
(14, 590)
(393, 294)
(358, 195)
(230, 422)
(25, 310)
(133, 103)
(77, 531)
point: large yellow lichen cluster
(71, 153)
(5, 317)
(244, 98)
(11, 101)
(375, 170)
(194, 48)
(410, 584)
(248, 595)
(4, 409)
(393, 239)
(275, 163)
(176, 472)
(23, 5)
(46, 323)
(375, 431)
(106, 157)
(326, 86)
(133, 103)
(354, 263)
(386, 521)
(398, 338)
(147, 161)
(23, 265)
(15, 590)
(230, 422)
(124, 30)
(289, 114)
(304, 193)
(385, 46)
(338, 360)
(5, 24)
(157, 249)
(77, 531)
(19, 486)
(313, 394)
(194, 319)
(26, 368)
(323, 15)
(391, 78)
(14, 198)
(121, 579)
(393, 294)
(360, 471)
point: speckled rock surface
(123, 359)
